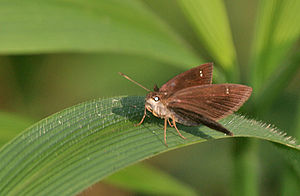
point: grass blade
(277, 31)
(210, 21)
(75, 148)
(273, 87)
(117, 26)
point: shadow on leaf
(133, 109)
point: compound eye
(156, 99)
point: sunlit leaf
(209, 19)
(75, 148)
(277, 31)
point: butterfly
(191, 99)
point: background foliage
(55, 54)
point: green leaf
(245, 166)
(142, 178)
(75, 148)
(209, 19)
(277, 31)
(118, 26)
(273, 87)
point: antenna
(133, 81)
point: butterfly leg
(170, 123)
(165, 132)
(145, 113)
(174, 123)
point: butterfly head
(155, 104)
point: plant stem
(245, 167)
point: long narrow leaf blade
(210, 21)
(277, 31)
(118, 26)
(75, 148)
(130, 178)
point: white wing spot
(201, 74)
(227, 90)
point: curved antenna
(133, 81)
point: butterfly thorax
(155, 104)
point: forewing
(200, 75)
(214, 101)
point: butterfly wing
(200, 75)
(213, 101)
(190, 118)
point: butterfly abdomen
(190, 118)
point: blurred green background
(54, 54)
